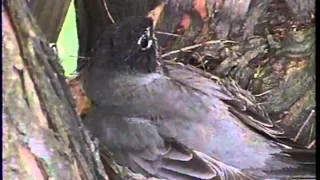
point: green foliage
(68, 42)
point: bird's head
(129, 45)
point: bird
(173, 121)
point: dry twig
(108, 12)
(304, 124)
(195, 46)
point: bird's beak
(156, 12)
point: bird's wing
(240, 102)
(137, 143)
(179, 162)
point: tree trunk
(43, 136)
(49, 16)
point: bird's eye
(145, 40)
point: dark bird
(174, 121)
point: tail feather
(303, 161)
(302, 156)
(301, 165)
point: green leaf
(67, 43)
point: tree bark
(43, 136)
(50, 16)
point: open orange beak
(156, 12)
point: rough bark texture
(43, 136)
(270, 49)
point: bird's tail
(292, 164)
(305, 164)
(301, 165)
